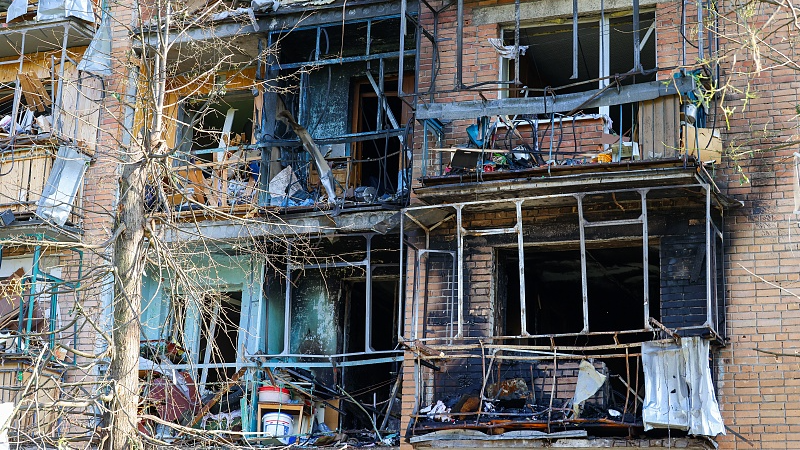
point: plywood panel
(658, 127)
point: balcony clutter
(289, 407)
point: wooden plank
(38, 178)
(648, 132)
(674, 138)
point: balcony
(27, 172)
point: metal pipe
(584, 287)
(637, 63)
(708, 255)
(550, 196)
(368, 310)
(645, 259)
(460, 274)
(521, 255)
(287, 313)
(516, 41)
(700, 50)
(37, 255)
(401, 59)
(415, 297)
(401, 291)
(574, 40)
(611, 223)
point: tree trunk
(129, 266)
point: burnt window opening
(216, 164)
(554, 302)
(325, 42)
(209, 131)
(604, 49)
(377, 161)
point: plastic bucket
(273, 394)
(279, 426)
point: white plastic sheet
(59, 9)
(679, 393)
(62, 185)
(589, 381)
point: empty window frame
(554, 302)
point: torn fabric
(678, 389)
(704, 416)
(506, 51)
(62, 185)
(589, 381)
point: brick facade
(755, 389)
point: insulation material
(666, 394)
(704, 416)
(17, 8)
(59, 9)
(589, 382)
(62, 185)
(678, 390)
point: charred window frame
(340, 303)
(701, 274)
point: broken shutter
(62, 185)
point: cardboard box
(709, 142)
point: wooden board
(658, 128)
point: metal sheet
(561, 103)
(62, 185)
(97, 59)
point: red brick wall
(758, 392)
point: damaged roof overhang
(307, 223)
(568, 180)
(44, 36)
(35, 230)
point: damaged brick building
(425, 223)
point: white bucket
(279, 426)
